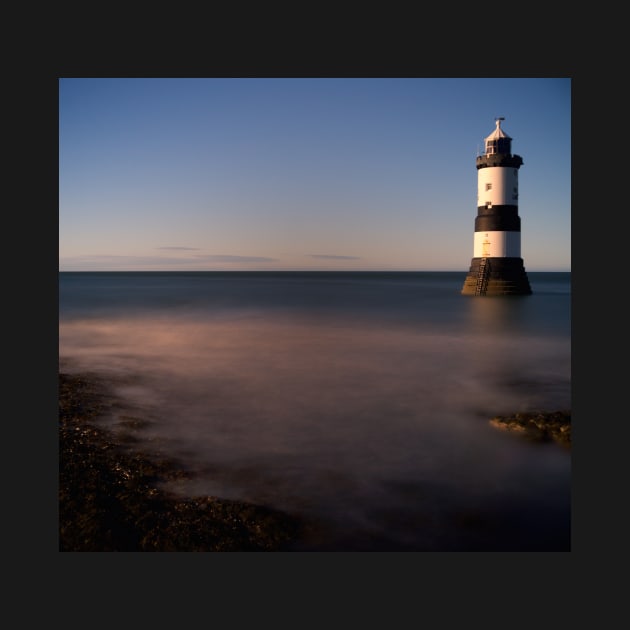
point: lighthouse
(497, 267)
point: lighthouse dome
(498, 141)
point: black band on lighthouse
(498, 219)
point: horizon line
(290, 271)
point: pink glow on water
(332, 417)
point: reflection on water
(378, 426)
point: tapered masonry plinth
(496, 276)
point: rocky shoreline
(538, 427)
(110, 496)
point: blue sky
(303, 173)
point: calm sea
(360, 401)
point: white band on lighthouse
(497, 245)
(497, 186)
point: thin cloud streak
(120, 262)
(233, 259)
(180, 248)
(334, 257)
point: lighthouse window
(488, 186)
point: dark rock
(538, 426)
(109, 496)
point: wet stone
(110, 497)
(538, 426)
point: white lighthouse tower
(497, 267)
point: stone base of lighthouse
(496, 276)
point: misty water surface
(358, 400)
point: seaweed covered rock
(538, 426)
(109, 497)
